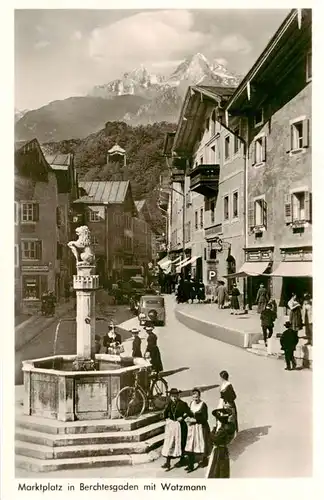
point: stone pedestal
(85, 283)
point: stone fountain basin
(52, 389)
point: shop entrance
(253, 283)
(299, 286)
(198, 269)
(231, 269)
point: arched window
(213, 123)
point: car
(152, 308)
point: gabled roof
(59, 161)
(103, 192)
(24, 166)
(199, 100)
(168, 143)
(116, 149)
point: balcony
(177, 175)
(204, 179)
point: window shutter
(253, 151)
(264, 213)
(308, 206)
(251, 214)
(39, 250)
(36, 212)
(288, 209)
(264, 148)
(289, 140)
(305, 133)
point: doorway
(299, 286)
(231, 269)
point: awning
(164, 262)
(182, 264)
(176, 260)
(294, 269)
(190, 261)
(250, 269)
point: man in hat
(175, 438)
(267, 322)
(136, 346)
(289, 340)
(219, 463)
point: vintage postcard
(163, 250)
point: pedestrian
(228, 397)
(262, 298)
(153, 350)
(51, 301)
(307, 318)
(193, 290)
(175, 436)
(221, 435)
(198, 432)
(235, 304)
(187, 290)
(221, 295)
(201, 295)
(267, 323)
(295, 316)
(97, 344)
(273, 304)
(112, 339)
(289, 340)
(136, 346)
(181, 291)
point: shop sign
(43, 269)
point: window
(201, 218)
(298, 135)
(212, 212)
(201, 160)
(257, 214)
(298, 207)
(213, 127)
(31, 250)
(259, 151)
(235, 204)
(196, 219)
(227, 147)
(236, 140)
(31, 287)
(29, 212)
(226, 208)
(96, 214)
(16, 255)
(258, 118)
(16, 214)
(309, 66)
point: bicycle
(131, 401)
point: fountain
(75, 395)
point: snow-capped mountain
(20, 113)
(136, 82)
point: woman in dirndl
(198, 432)
(227, 398)
(175, 436)
(220, 436)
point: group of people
(48, 301)
(189, 290)
(188, 435)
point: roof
(103, 192)
(168, 143)
(139, 204)
(116, 149)
(59, 161)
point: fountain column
(85, 283)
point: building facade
(273, 107)
(37, 266)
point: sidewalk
(243, 330)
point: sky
(64, 53)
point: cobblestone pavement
(274, 407)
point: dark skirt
(219, 463)
(156, 361)
(235, 302)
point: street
(274, 406)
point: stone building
(272, 107)
(207, 159)
(37, 266)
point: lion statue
(81, 248)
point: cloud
(76, 36)
(41, 44)
(222, 61)
(147, 37)
(235, 43)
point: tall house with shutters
(37, 266)
(273, 104)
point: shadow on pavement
(246, 438)
(202, 388)
(172, 372)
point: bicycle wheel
(130, 402)
(159, 393)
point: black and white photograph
(163, 278)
